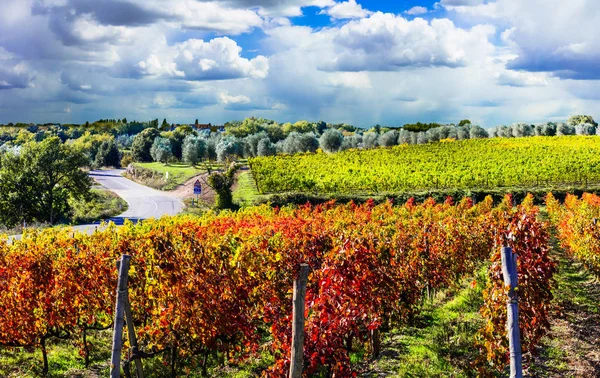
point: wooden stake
(509, 271)
(298, 322)
(115, 358)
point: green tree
(164, 125)
(108, 155)
(331, 140)
(194, 149)
(221, 183)
(579, 119)
(142, 143)
(39, 181)
(464, 122)
(161, 150)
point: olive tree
(265, 148)
(389, 138)
(331, 140)
(161, 150)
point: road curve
(144, 202)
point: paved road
(144, 202)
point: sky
(361, 62)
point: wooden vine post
(115, 358)
(509, 271)
(297, 357)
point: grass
(440, 341)
(244, 191)
(179, 173)
(575, 332)
(104, 204)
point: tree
(108, 155)
(389, 139)
(228, 148)
(221, 183)
(161, 150)
(564, 129)
(476, 132)
(331, 140)
(194, 149)
(124, 120)
(142, 143)
(164, 125)
(579, 119)
(370, 140)
(38, 182)
(464, 122)
(265, 148)
(196, 123)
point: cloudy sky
(356, 61)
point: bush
(126, 159)
(331, 140)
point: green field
(471, 164)
(244, 191)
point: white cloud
(547, 35)
(345, 10)
(226, 98)
(522, 79)
(416, 10)
(195, 59)
(386, 42)
(359, 80)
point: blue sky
(355, 61)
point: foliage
(220, 281)
(161, 150)
(194, 149)
(265, 148)
(108, 155)
(221, 183)
(142, 143)
(229, 148)
(389, 139)
(38, 182)
(331, 140)
(577, 224)
(520, 229)
(416, 127)
(471, 164)
(579, 119)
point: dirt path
(572, 348)
(186, 190)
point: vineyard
(472, 164)
(217, 288)
(578, 228)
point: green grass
(245, 192)
(178, 173)
(441, 340)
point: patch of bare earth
(186, 190)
